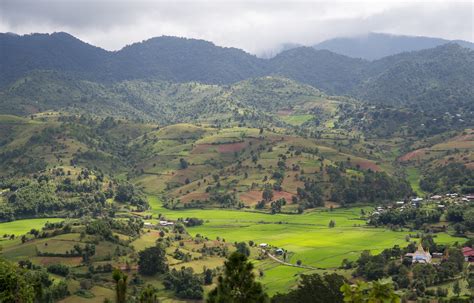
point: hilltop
(181, 60)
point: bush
(58, 269)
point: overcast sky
(254, 25)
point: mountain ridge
(183, 60)
(374, 46)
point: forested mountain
(374, 46)
(438, 77)
(156, 100)
(57, 51)
(414, 79)
(323, 69)
(183, 60)
(164, 58)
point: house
(420, 255)
(148, 225)
(468, 253)
(263, 245)
(417, 199)
(400, 202)
(436, 197)
(279, 251)
(470, 197)
(166, 223)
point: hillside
(325, 70)
(374, 46)
(181, 60)
(437, 82)
(58, 51)
(160, 101)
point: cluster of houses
(441, 200)
(420, 255)
(160, 223)
(423, 256)
(278, 251)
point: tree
(238, 283)
(314, 289)
(149, 294)
(456, 288)
(120, 285)
(152, 260)
(370, 292)
(267, 194)
(243, 248)
(183, 164)
(14, 286)
(208, 275)
(184, 283)
(332, 224)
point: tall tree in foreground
(238, 283)
(14, 286)
(315, 289)
(120, 285)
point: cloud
(256, 26)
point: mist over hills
(374, 46)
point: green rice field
(20, 227)
(307, 236)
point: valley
(130, 172)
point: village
(439, 202)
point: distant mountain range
(374, 46)
(419, 77)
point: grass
(307, 236)
(414, 179)
(100, 294)
(20, 227)
(296, 119)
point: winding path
(290, 264)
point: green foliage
(184, 283)
(371, 292)
(59, 269)
(314, 289)
(120, 285)
(148, 294)
(454, 177)
(152, 260)
(407, 217)
(373, 186)
(14, 285)
(238, 283)
(243, 249)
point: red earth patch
(366, 165)
(64, 260)
(231, 147)
(194, 196)
(412, 155)
(284, 112)
(202, 148)
(253, 196)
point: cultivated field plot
(307, 236)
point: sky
(257, 26)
